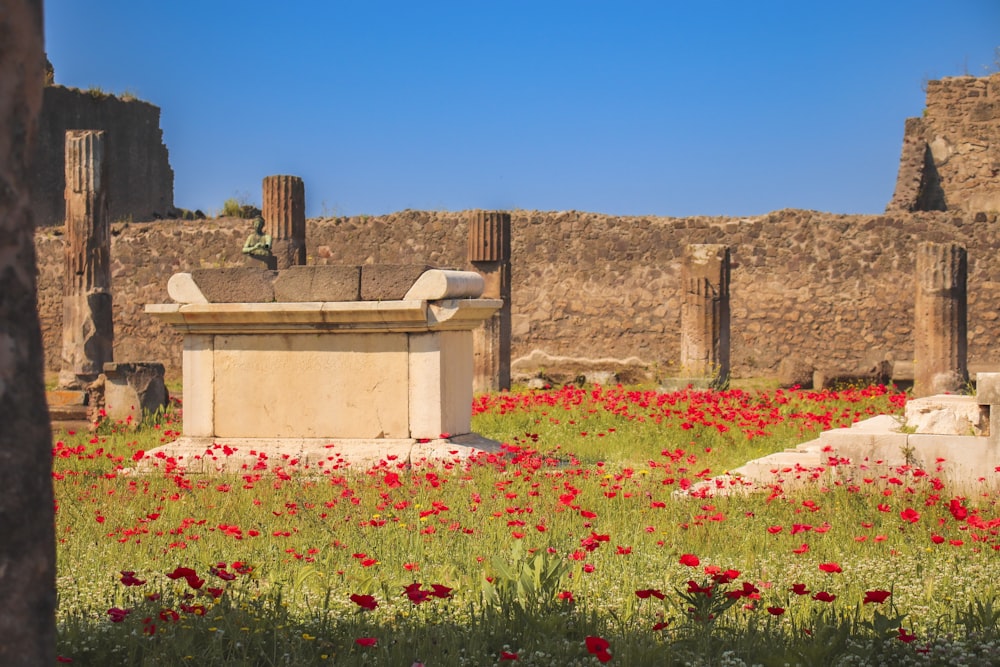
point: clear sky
(701, 107)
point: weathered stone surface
(88, 329)
(140, 183)
(284, 212)
(489, 236)
(389, 282)
(705, 312)
(590, 286)
(132, 391)
(318, 283)
(940, 328)
(27, 517)
(946, 415)
(489, 252)
(949, 158)
(236, 285)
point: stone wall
(141, 182)
(833, 291)
(951, 156)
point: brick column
(284, 213)
(940, 324)
(88, 331)
(489, 253)
(705, 313)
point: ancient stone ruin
(284, 212)
(940, 314)
(88, 331)
(359, 362)
(704, 346)
(489, 254)
(951, 155)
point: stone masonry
(88, 329)
(489, 254)
(284, 211)
(705, 316)
(818, 287)
(940, 312)
(951, 156)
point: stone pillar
(705, 313)
(940, 326)
(489, 253)
(27, 515)
(284, 212)
(88, 334)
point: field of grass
(579, 544)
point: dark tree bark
(27, 514)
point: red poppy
(876, 596)
(118, 615)
(905, 636)
(776, 611)
(129, 579)
(364, 601)
(832, 568)
(690, 560)
(598, 646)
(650, 592)
(910, 515)
(366, 641)
(823, 596)
(799, 589)
(507, 655)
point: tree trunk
(27, 532)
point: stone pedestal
(489, 253)
(284, 213)
(132, 391)
(705, 313)
(363, 376)
(88, 333)
(940, 326)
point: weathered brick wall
(835, 291)
(951, 156)
(140, 180)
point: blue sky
(707, 107)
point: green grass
(541, 548)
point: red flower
(598, 646)
(774, 530)
(192, 578)
(823, 596)
(801, 550)
(876, 596)
(776, 611)
(905, 636)
(364, 601)
(440, 591)
(690, 560)
(366, 641)
(799, 589)
(567, 596)
(910, 515)
(832, 568)
(650, 592)
(129, 579)
(507, 655)
(118, 615)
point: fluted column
(489, 253)
(940, 325)
(88, 330)
(705, 313)
(284, 213)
